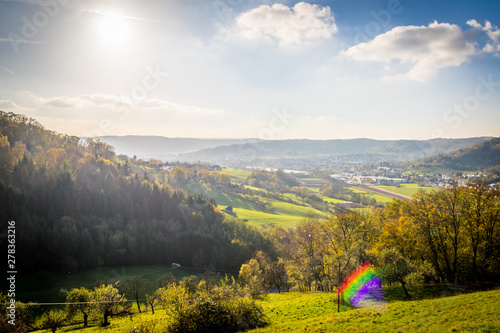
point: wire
(80, 303)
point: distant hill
(395, 150)
(162, 148)
(478, 157)
(224, 150)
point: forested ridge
(482, 156)
(77, 206)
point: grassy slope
(238, 175)
(317, 312)
(285, 214)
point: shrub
(205, 315)
(222, 309)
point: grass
(317, 312)
(369, 194)
(332, 200)
(122, 324)
(238, 175)
(285, 213)
(45, 287)
(407, 189)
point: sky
(381, 69)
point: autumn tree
(78, 300)
(251, 276)
(482, 223)
(178, 177)
(107, 301)
(277, 276)
(456, 230)
(135, 287)
(349, 239)
(53, 319)
(309, 254)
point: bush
(221, 309)
(248, 314)
(53, 319)
(204, 315)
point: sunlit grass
(285, 213)
(238, 175)
(407, 189)
(317, 312)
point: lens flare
(362, 287)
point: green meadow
(370, 194)
(317, 312)
(45, 287)
(238, 175)
(408, 189)
(283, 213)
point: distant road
(382, 192)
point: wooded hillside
(77, 206)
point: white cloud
(474, 24)
(287, 26)
(493, 34)
(10, 106)
(492, 31)
(425, 49)
(145, 103)
(103, 101)
(59, 102)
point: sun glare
(112, 28)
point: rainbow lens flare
(362, 287)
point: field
(407, 189)
(238, 175)
(45, 287)
(370, 194)
(289, 214)
(285, 213)
(317, 312)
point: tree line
(447, 236)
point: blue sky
(393, 69)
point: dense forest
(78, 206)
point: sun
(112, 28)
